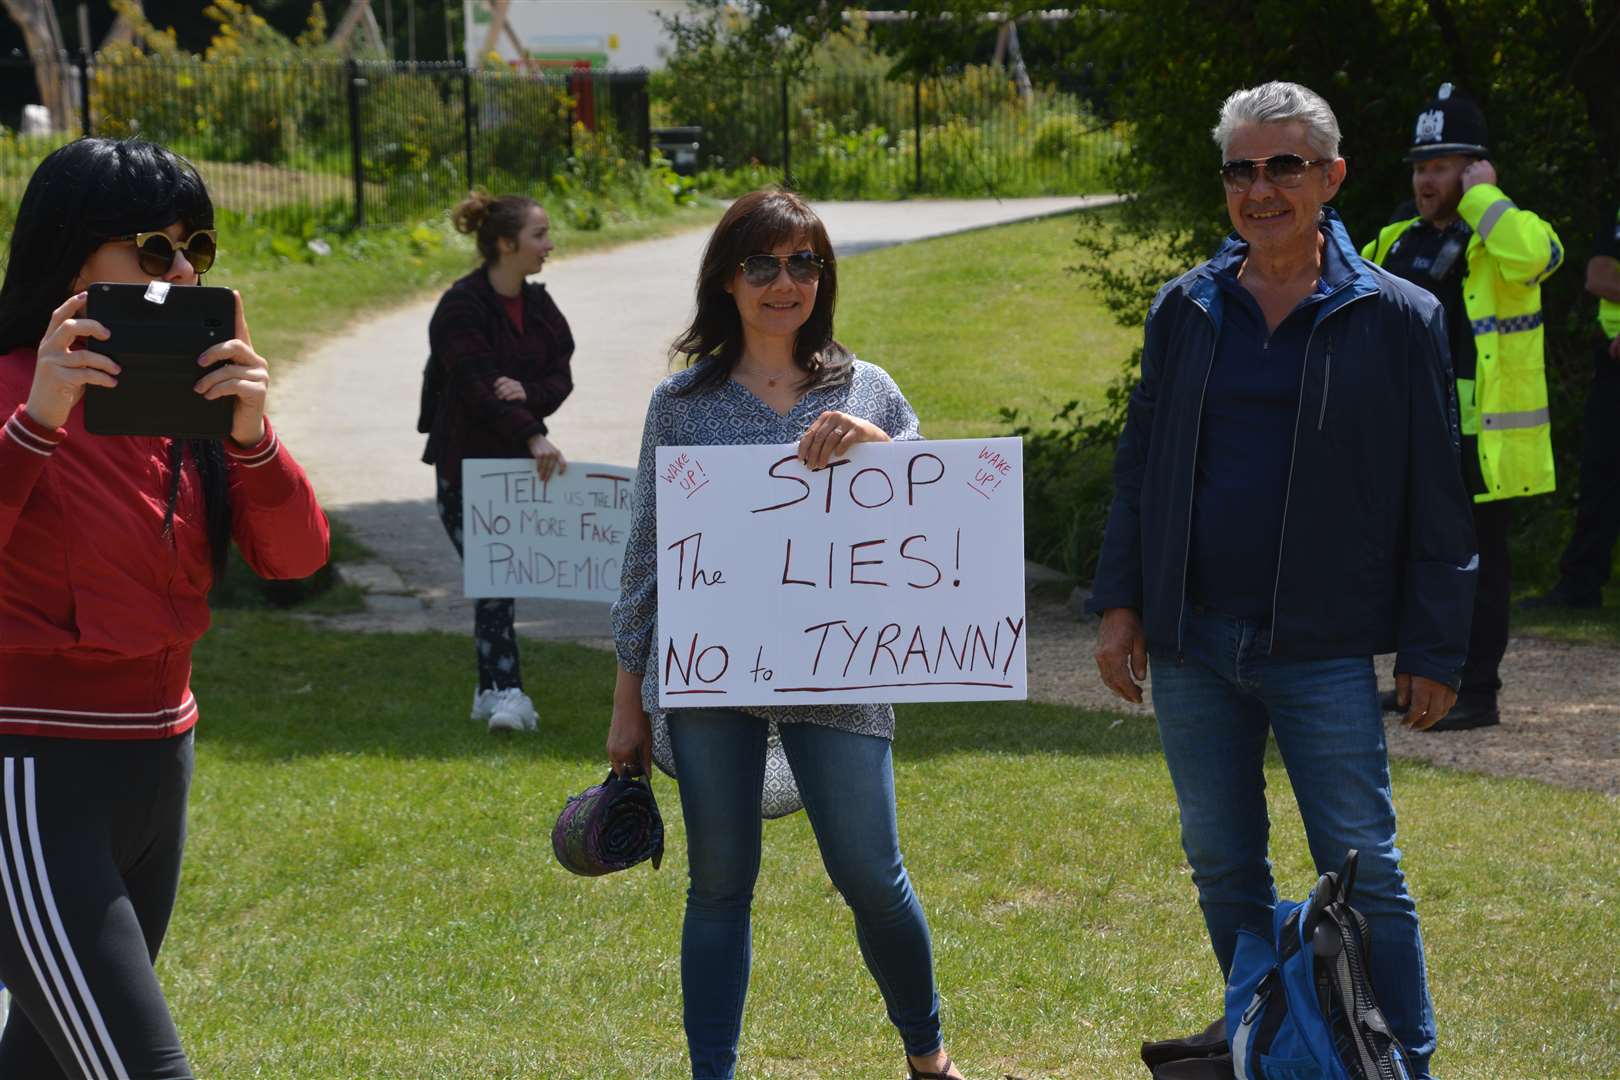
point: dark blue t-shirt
(1246, 443)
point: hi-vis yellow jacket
(1510, 254)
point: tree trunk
(37, 21)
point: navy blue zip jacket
(1378, 550)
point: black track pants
(1586, 562)
(91, 834)
(1488, 638)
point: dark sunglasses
(802, 266)
(1283, 170)
(156, 251)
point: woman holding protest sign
(499, 367)
(109, 545)
(763, 368)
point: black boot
(1473, 710)
(1562, 596)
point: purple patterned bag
(609, 827)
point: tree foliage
(935, 36)
(1543, 70)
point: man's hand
(1478, 172)
(1122, 653)
(1614, 348)
(1426, 702)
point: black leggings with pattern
(493, 631)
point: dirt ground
(1560, 704)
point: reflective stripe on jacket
(1510, 254)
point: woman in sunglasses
(108, 547)
(501, 350)
(763, 368)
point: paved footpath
(348, 411)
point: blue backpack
(1300, 1006)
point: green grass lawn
(1600, 627)
(970, 323)
(369, 891)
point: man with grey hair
(1287, 504)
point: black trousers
(91, 834)
(1487, 640)
(494, 620)
(1584, 568)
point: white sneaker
(510, 710)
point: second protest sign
(561, 538)
(896, 574)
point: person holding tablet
(500, 351)
(108, 548)
(764, 368)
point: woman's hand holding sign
(547, 458)
(832, 434)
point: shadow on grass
(407, 535)
(275, 688)
(1599, 626)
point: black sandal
(915, 1075)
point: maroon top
(476, 341)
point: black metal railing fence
(362, 142)
(831, 135)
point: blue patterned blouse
(732, 416)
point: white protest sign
(562, 538)
(896, 574)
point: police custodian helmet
(1450, 124)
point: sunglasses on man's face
(156, 251)
(1283, 170)
(803, 267)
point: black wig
(82, 195)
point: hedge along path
(348, 410)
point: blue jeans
(1214, 708)
(847, 784)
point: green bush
(1058, 135)
(1068, 486)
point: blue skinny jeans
(1214, 709)
(847, 783)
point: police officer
(1584, 569)
(1485, 260)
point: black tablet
(158, 332)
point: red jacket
(98, 608)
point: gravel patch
(1560, 704)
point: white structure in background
(36, 120)
(617, 34)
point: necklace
(770, 380)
